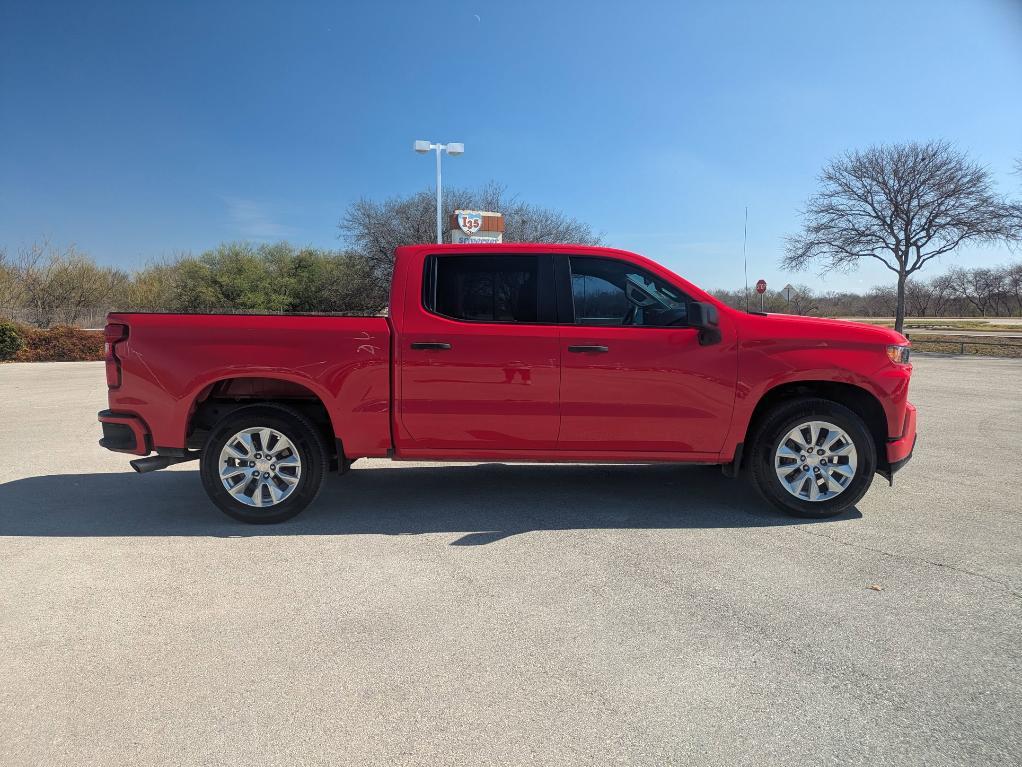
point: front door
(635, 378)
(480, 356)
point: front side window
(609, 292)
(483, 288)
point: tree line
(903, 205)
(958, 292)
(44, 285)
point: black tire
(788, 416)
(303, 435)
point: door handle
(588, 349)
(430, 345)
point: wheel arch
(857, 399)
(227, 394)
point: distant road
(1012, 322)
(978, 332)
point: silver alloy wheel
(260, 467)
(815, 461)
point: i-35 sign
(468, 226)
(470, 221)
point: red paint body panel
(654, 390)
(901, 448)
(505, 391)
(169, 360)
(779, 349)
(496, 388)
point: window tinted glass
(484, 288)
(609, 292)
(597, 298)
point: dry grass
(945, 324)
(980, 345)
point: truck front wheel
(813, 458)
(263, 464)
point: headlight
(898, 354)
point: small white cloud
(254, 220)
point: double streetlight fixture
(422, 147)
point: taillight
(113, 334)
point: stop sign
(761, 286)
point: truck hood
(790, 325)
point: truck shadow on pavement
(485, 503)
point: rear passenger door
(480, 357)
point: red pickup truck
(512, 353)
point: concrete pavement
(497, 614)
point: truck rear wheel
(263, 464)
(813, 458)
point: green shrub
(61, 343)
(11, 341)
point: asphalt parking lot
(498, 614)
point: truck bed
(172, 362)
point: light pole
(422, 147)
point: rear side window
(483, 288)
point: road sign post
(761, 289)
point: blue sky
(141, 129)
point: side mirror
(703, 316)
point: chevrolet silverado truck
(512, 353)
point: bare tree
(978, 287)
(903, 205)
(918, 297)
(803, 301)
(59, 284)
(881, 301)
(1000, 291)
(10, 285)
(942, 288)
(1013, 284)
(375, 228)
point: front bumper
(900, 449)
(896, 465)
(125, 433)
